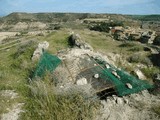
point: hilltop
(79, 66)
(56, 16)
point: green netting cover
(47, 62)
(120, 83)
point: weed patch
(44, 104)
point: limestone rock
(107, 66)
(39, 51)
(75, 40)
(96, 76)
(82, 81)
(139, 74)
(129, 85)
(119, 101)
(43, 45)
(115, 74)
(157, 77)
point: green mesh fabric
(47, 62)
(120, 83)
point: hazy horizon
(133, 7)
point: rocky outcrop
(76, 41)
(39, 51)
(139, 74)
(38, 25)
(20, 26)
(133, 107)
(82, 81)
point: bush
(54, 27)
(156, 109)
(134, 59)
(137, 58)
(23, 32)
(157, 41)
(136, 49)
(104, 27)
(23, 54)
(57, 27)
(155, 59)
(127, 44)
(146, 61)
(150, 72)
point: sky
(139, 7)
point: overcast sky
(85, 6)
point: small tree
(157, 41)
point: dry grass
(156, 109)
(44, 104)
(40, 98)
(57, 40)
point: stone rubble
(132, 107)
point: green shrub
(57, 27)
(136, 49)
(156, 109)
(23, 32)
(134, 58)
(150, 72)
(139, 58)
(127, 44)
(157, 41)
(23, 54)
(104, 27)
(146, 61)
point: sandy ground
(4, 35)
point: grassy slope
(14, 71)
(14, 74)
(10, 75)
(15, 67)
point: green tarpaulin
(47, 62)
(124, 79)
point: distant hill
(60, 17)
(29, 21)
(45, 17)
(63, 17)
(42, 17)
(146, 17)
